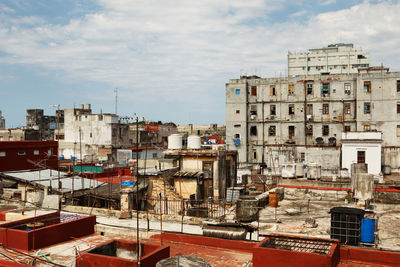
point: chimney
(81, 106)
(88, 106)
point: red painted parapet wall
(151, 254)
(4, 263)
(244, 246)
(370, 256)
(45, 236)
(279, 257)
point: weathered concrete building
(202, 130)
(92, 137)
(204, 173)
(19, 134)
(301, 117)
(334, 59)
(46, 125)
(152, 134)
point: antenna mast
(116, 101)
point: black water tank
(346, 224)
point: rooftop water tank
(288, 170)
(299, 170)
(194, 142)
(314, 171)
(175, 141)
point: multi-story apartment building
(307, 114)
(334, 59)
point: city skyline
(169, 61)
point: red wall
(4, 263)
(284, 258)
(152, 253)
(46, 236)
(246, 246)
(370, 256)
(14, 162)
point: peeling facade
(97, 135)
(307, 112)
(204, 173)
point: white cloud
(184, 50)
(327, 2)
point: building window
(309, 130)
(291, 109)
(237, 136)
(398, 108)
(2, 153)
(49, 152)
(398, 131)
(291, 132)
(254, 154)
(347, 128)
(21, 153)
(325, 88)
(291, 89)
(36, 152)
(367, 108)
(367, 128)
(398, 85)
(360, 156)
(309, 88)
(367, 86)
(272, 90)
(325, 109)
(347, 88)
(253, 112)
(254, 90)
(272, 130)
(309, 111)
(100, 117)
(253, 130)
(347, 108)
(237, 91)
(325, 130)
(272, 110)
(302, 157)
(237, 126)
(238, 111)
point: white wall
(372, 155)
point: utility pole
(80, 153)
(137, 186)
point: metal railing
(212, 209)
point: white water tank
(175, 141)
(194, 142)
(299, 170)
(314, 171)
(288, 170)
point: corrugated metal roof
(49, 177)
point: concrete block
(51, 201)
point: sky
(169, 59)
